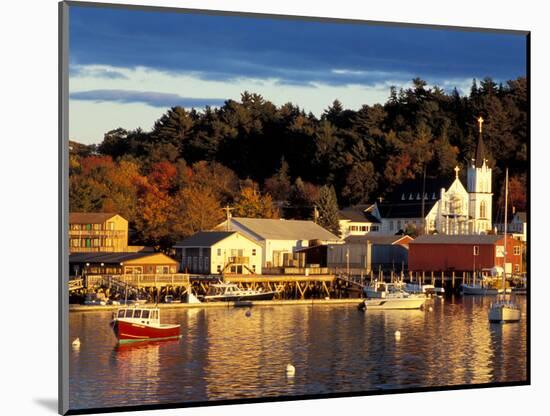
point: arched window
(482, 210)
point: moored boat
(230, 292)
(142, 324)
(504, 311)
(387, 296)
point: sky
(127, 67)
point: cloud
(153, 99)
(92, 71)
(294, 52)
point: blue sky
(128, 66)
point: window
(219, 252)
(517, 250)
(254, 267)
(137, 313)
(482, 210)
(476, 250)
(398, 225)
(145, 314)
(253, 251)
(374, 228)
(121, 313)
(516, 268)
(129, 313)
(219, 268)
(391, 225)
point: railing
(75, 284)
(99, 249)
(239, 260)
(139, 280)
(98, 233)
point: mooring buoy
(397, 334)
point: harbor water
(227, 353)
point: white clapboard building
(219, 252)
(278, 237)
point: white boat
(230, 292)
(480, 289)
(504, 310)
(430, 290)
(387, 296)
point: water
(225, 354)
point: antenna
(227, 217)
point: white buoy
(397, 334)
(430, 309)
(290, 370)
(76, 343)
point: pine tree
(327, 206)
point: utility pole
(227, 217)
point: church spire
(480, 150)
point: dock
(262, 303)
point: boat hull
(398, 303)
(504, 314)
(240, 298)
(127, 332)
(478, 290)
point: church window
(410, 197)
(417, 197)
(402, 197)
(433, 196)
(482, 209)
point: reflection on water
(225, 354)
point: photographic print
(264, 208)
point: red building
(463, 253)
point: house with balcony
(279, 238)
(97, 232)
(219, 252)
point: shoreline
(347, 301)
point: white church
(437, 205)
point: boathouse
(142, 263)
(464, 253)
(279, 237)
(361, 254)
(219, 252)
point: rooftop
(112, 257)
(280, 229)
(457, 239)
(205, 238)
(358, 213)
(379, 239)
(90, 217)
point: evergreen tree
(327, 207)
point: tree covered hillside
(269, 161)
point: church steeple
(480, 150)
(479, 187)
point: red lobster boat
(142, 324)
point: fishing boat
(381, 295)
(428, 290)
(482, 288)
(504, 310)
(230, 292)
(142, 324)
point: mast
(505, 231)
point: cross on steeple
(480, 122)
(456, 169)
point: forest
(268, 161)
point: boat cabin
(139, 315)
